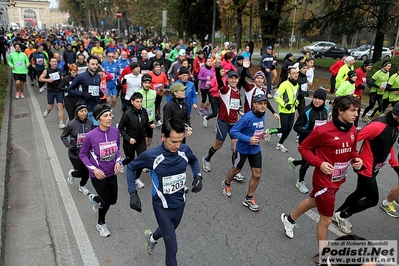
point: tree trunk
(239, 27)
(269, 13)
(379, 34)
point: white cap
(226, 43)
(349, 58)
(182, 52)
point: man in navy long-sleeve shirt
(266, 65)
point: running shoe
(201, 113)
(22, 96)
(226, 189)
(251, 204)
(70, 178)
(45, 114)
(281, 147)
(347, 221)
(41, 90)
(32, 83)
(268, 135)
(297, 139)
(239, 177)
(342, 223)
(61, 125)
(204, 122)
(206, 165)
(293, 167)
(17, 95)
(396, 202)
(288, 227)
(84, 190)
(279, 135)
(159, 123)
(149, 246)
(206, 110)
(186, 189)
(390, 209)
(103, 229)
(96, 205)
(301, 187)
(139, 183)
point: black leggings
(215, 104)
(158, 101)
(69, 103)
(107, 191)
(131, 150)
(365, 196)
(38, 73)
(304, 167)
(372, 101)
(287, 122)
(204, 94)
(168, 220)
(80, 171)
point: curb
(4, 159)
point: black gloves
(288, 106)
(197, 184)
(86, 95)
(135, 202)
(73, 149)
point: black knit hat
(320, 94)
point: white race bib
(94, 90)
(54, 76)
(234, 104)
(304, 87)
(340, 171)
(319, 123)
(172, 184)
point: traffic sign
(118, 14)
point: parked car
(363, 54)
(317, 46)
(334, 52)
(364, 46)
(395, 52)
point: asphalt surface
(47, 222)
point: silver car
(364, 53)
(315, 47)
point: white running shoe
(207, 166)
(45, 114)
(61, 125)
(96, 205)
(139, 183)
(342, 223)
(239, 177)
(288, 227)
(70, 178)
(204, 122)
(279, 135)
(84, 190)
(301, 187)
(41, 90)
(281, 147)
(159, 123)
(293, 167)
(103, 229)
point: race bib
(259, 91)
(340, 171)
(39, 61)
(234, 104)
(94, 90)
(304, 87)
(208, 84)
(157, 86)
(80, 139)
(54, 76)
(259, 134)
(144, 71)
(81, 69)
(384, 84)
(149, 112)
(172, 184)
(108, 150)
(201, 65)
(319, 123)
(19, 64)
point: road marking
(82, 239)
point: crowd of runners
(86, 73)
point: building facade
(31, 14)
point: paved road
(49, 223)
